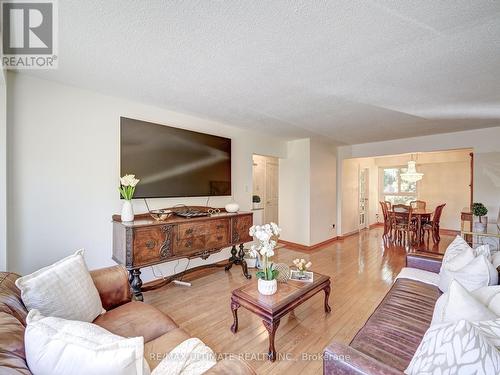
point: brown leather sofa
(124, 317)
(390, 337)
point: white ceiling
(352, 71)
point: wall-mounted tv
(172, 162)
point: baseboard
(348, 234)
(305, 248)
(376, 225)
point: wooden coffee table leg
(234, 308)
(271, 329)
(327, 295)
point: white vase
(232, 207)
(127, 211)
(479, 227)
(251, 262)
(267, 287)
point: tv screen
(172, 162)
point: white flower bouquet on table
(127, 189)
(127, 186)
(266, 238)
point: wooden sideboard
(147, 242)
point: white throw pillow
(483, 250)
(460, 348)
(495, 259)
(490, 297)
(458, 304)
(457, 246)
(190, 357)
(460, 260)
(64, 289)
(56, 346)
(476, 274)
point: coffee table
(272, 308)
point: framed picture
(305, 277)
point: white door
(363, 198)
(272, 187)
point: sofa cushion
(136, 319)
(10, 297)
(12, 355)
(155, 350)
(394, 331)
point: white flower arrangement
(127, 186)
(302, 265)
(266, 237)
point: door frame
(366, 223)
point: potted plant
(479, 210)
(255, 202)
(266, 237)
(302, 265)
(127, 189)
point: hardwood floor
(362, 269)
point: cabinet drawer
(189, 245)
(219, 226)
(217, 240)
(147, 245)
(241, 224)
(192, 230)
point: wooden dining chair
(433, 225)
(420, 205)
(387, 219)
(404, 223)
(388, 204)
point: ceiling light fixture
(411, 174)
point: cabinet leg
(234, 309)
(136, 284)
(271, 329)
(232, 259)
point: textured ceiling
(352, 71)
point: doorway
(266, 187)
(363, 197)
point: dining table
(423, 215)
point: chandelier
(411, 174)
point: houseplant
(479, 210)
(302, 265)
(255, 202)
(266, 237)
(127, 189)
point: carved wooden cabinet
(146, 242)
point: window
(396, 190)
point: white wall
(64, 163)
(484, 143)
(487, 181)
(323, 191)
(3, 172)
(294, 192)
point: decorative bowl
(161, 215)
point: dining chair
(404, 223)
(387, 219)
(389, 205)
(420, 205)
(433, 225)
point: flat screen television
(172, 162)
